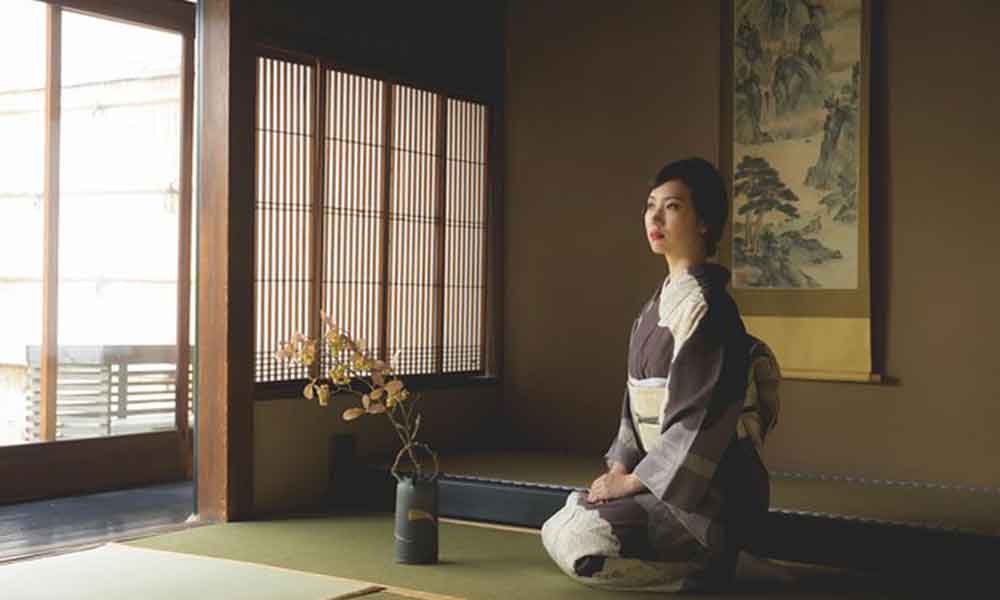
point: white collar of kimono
(675, 291)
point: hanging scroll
(795, 146)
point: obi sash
(647, 401)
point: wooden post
(226, 261)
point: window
(371, 205)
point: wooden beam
(50, 278)
(171, 15)
(225, 261)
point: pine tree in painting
(760, 184)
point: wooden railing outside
(106, 390)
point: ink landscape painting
(797, 107)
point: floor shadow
(42, 525)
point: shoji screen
(284, 216)
(413, 214)
(371, 206)
(353, 174)
(465, 236)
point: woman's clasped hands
(613, 484)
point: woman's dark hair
(708, 194)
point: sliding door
(95, 222)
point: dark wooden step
(801, 536)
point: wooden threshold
(89, 465)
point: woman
(683, 490)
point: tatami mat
(120, 572)
(476, 562)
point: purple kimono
(705, 487)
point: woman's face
(672, 226)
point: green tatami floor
(476, 562)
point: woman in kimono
(683, 490)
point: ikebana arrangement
(381, 392)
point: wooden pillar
(225, 260)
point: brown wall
(292, 440)
(599, 94)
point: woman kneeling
(683, 490)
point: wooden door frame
(89, 465)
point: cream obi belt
(647, 401)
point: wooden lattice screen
(465, 236)
(353, 205)
(383, 227)
(284, 213)
(413, 216)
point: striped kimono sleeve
(706, 386)
(625, 446)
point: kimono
(706, 487)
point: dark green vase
(416, 521)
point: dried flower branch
(352, 364)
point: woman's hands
(614, 484)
